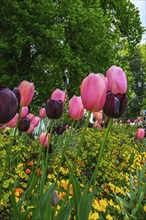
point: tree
(45, 40)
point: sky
(141, 5)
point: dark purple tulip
(8, 105)
(24, 124)
(115, 105)
(54, 109)
(60, 130)
(17, 94)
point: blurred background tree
(48, 41)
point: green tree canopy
(45, 40)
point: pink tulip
(27, 92)
(59, 95)
(128, 121)
(3, 126)
(24, 112)
(44, 139)
(42, 113)
(31, 129)
(13, 122)
(98, 115)
(117, 80)
(140, 133)
(97, 125)
(76, 108)
(35, 121)
(30, 116)
(93, 92)
(139, 118)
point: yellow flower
(94, 216)
(51, 176)
(118, 208)
(64, 170)
(110, 202)
(144, 208)
(109, 217)
(100, 205)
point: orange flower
(18, 192)
(90, 190)
(39, 172)
(31, 163)
(106, 190)
(61, 195)
(28, 171)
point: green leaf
(46, 207)
(16, 212)
(125, 203)
(64, 212)
(76, 187)
(24, 215)
(131, 159)
(85, 204)
(36, 211)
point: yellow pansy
(109, 217)
(94, 216)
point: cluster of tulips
(96, 93)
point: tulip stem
(83, 134)
(45, 160)
(100, 155)
(64, 149)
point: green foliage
(124, 157)
(45, 41)
(132, 205)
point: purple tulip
(8, 105)
(54, 109)
(115, 105)
(24, 124)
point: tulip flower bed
(78, 171)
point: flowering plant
(39, 198)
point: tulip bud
(128, 121)
(31, 129)
(59, 130)
(117, 80)
(44, 139)
(76, 108)
(30, 116)
(24, 124)
(98, 115)
(54, 198)
(35, 121)
(115, 105)
(59, 95)
(42, 113)
(140, 134)
(27, 92)
(93, 92)
(54, 109)
(24, 112)
(13, 122)
(8, 105)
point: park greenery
(48, 41)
